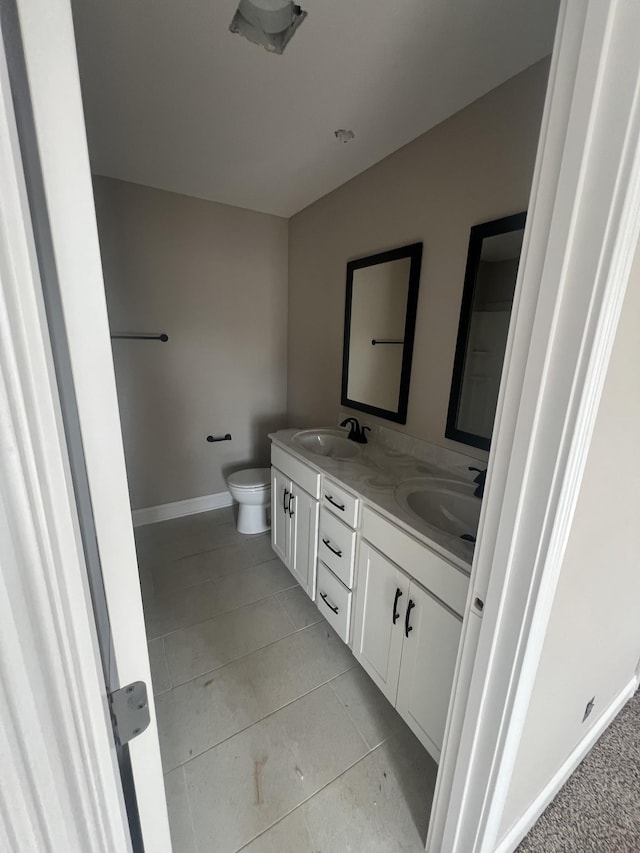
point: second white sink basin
(445, 504)
(327, 442)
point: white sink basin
(327, 442)
(444, 504)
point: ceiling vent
(270, 23)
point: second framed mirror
(490, 279)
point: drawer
(340, 502)
(307, 478)
(334, 602)
(444, 580)
(336, 547)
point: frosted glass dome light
(270, 23)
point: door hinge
(129, 711)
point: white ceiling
(174, 100)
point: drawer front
(302, 474)
(444, 580)
(340, 502)
(334, 602)
(336, 547)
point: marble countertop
(375, 474)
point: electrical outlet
(589, 708)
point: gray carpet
(598, 809)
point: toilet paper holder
(226, 437)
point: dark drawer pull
(396, 615)
(292, 497)
(333, 550)
(323, 596)
(408, 627)
(284, 500)
(336, 505)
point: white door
(382, 597)
(46, 96)
(431, 637)
(303, 551)
(280, 491)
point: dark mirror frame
(413, 251)
(478, 233)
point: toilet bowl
(251, 489)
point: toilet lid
(250, 478)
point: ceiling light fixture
(270, 23)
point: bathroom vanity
(382, 541)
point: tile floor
(273, 738)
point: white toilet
(251, 489)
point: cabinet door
(381, 598)
(303, 546)
(280, 490)
(426, 672)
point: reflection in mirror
(490, 279)
(382, 294)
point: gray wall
(592, 645)
(215, 279)
(474, 167)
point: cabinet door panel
(377, 641)
(426, 673)
(303, 549)
(280, 489)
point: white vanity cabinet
(429, 652)
(336, 556)
(405, 637)
(377, 638)
(295, 491)
(393, 598)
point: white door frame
(581, 232)
(580, 239)
(49, 52)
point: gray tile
(245, 784)
(199, 714)
(240, 588)
(166, 547)
(259, 547)
(180, 821)
(300, 609)
(209, 519)
(290, 835)
(373, 715)
(159, 670)
(381, 804)
(196, 568)
(176, 528)
(170, 610)
(208, 645)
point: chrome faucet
(479, 481)
(356, 432)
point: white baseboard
(520, 829)
(163, 512)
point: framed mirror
(489, 283)
(379, 327)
